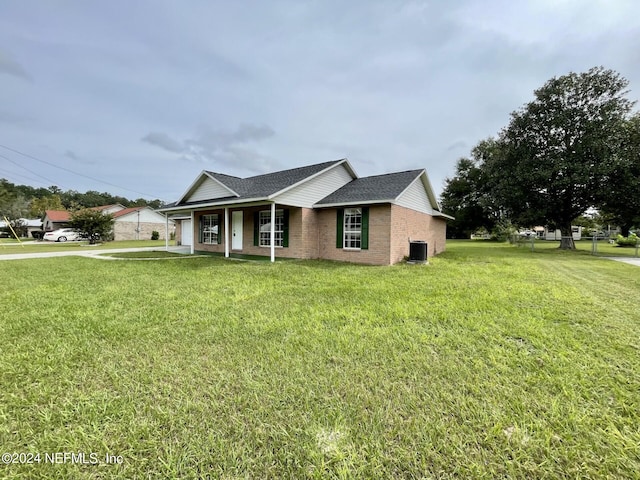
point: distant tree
(558, 150)
(38, 206)
(14, 208)
(621, 190)
(466, 197)
(92, 223)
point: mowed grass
(490, 362)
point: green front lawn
(490, 362)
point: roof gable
(375, 189)
(213, 186)
(206, 186)
(314, 188)
(57, 215)
(126, 211)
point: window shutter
(256, 229)
(219, 229)
(339, 227)
(364, 240)
(285, 228)
(200, 230)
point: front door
(236, 230)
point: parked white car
(62, 235)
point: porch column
(166, 232)
(273, 232)
(193, 236)
(226, 232)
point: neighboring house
(55, 219)
(28, 225)
(317, 211)
(546, 233)
(136, 223)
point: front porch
(244, 231)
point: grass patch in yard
(490, 362)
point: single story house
(27, 225)
(317, 211)
(135, 223)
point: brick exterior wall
(205, 247)
(127, 230)
(407, 224)
(379, 237)
(178, 232)
(312, 234)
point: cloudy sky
(136, 97)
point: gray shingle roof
(264, 185)
(372, 189)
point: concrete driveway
(93, 252)
(630, 260)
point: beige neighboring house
(138, 223)
(135, 223)
(316, 211)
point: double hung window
(353, 228)
(265, 228)
(210, 229)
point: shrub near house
(630, 241)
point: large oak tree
(559, 150)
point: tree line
(574, 147)
(24, 201)
(32, 202)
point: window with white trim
(353, 228)
(265, 228)
(210, 228)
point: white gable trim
(416, 197)
(424, 178)
(344, 162)
(352, 204)
(315, 187)
(198, 181)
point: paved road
(88, 253)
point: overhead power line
(14, 174)
(30, 171)
(75, 173)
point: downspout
(272, 233)
(193, 235)
(226, 232)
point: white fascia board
(204, 206)
(351, 204)
(344, 162)
(199, 179)
(440, 214)
(429, 188)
